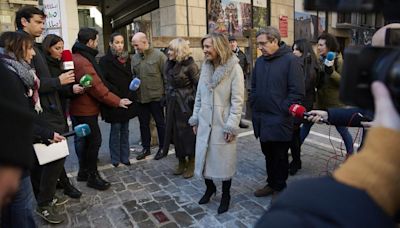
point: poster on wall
(231, 17)
(260, 14)
(308, 24)
(53, 16)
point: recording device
(67, 63)
(299, 112)
(363, 65)
(80, 130)
(134, 85)
(86, 81)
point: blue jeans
(119, 142)
(343, 131)
(19, 213)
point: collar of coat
(215, 76)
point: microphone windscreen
(297, 110)
(66, 56)
(330, 56)
(82, 130)
(134, 85)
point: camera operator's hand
(386, 114)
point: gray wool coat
(217, 109)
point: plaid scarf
(27, 76)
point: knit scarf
(27, 76)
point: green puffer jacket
(149, 67)
(328, 86)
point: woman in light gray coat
(216, 116)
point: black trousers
(295, 145)
(154, 109)
(277, 164)
(44, 180)
(89, 145)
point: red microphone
(66, 61)
(299, 112)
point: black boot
(226, 196)
(82, 175)
(294, 166)
(69, 189)
(211, 190)
(160, 154)
(97, 182)
(143, 154)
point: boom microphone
(66, 61)
(299, 112)
(80, 130)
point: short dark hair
(112, 36)
(16, 42)
(330, 41)
(27, 12)
(272, 33)
(86, 34)
(49, 41)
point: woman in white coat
(216, 116)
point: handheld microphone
(134, 85)
(329, 60)
(66, 61)
(299, 112)
(86, 81)
(80, 130)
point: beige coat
(217, 110)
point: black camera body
(363, 65)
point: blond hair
(181, 48)
(221, 45)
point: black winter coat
(49, 97)
(117, 77)
(243, 62)
(277, 82)
(65, 91)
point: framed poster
(308, 24)
(230, 17)
(261, 14)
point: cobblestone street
(146, 194)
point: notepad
(46, 154)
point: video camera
(363, 65)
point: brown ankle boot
(180, 168)
(189, 169)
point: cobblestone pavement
(146, 194)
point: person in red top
(85, 108)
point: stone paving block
(224, 218)
(161, 196)
(118, 187)
(152, 187)
(130, 179)
(132, 206)
(139, 216)
(170, 205)
(125, 196)
(170, 225)
(161, 180)
(147, 224)
(235, 223)
(95, 211)
(192, 208)
(208, 221)
(253, 207)
(135, 186)
(102, 222)
(189, 190)
(142, 196)
(182, 218)
(180, 198)
(151, 206)
(111, 201)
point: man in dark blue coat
(277, 83)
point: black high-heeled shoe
(211, 190)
